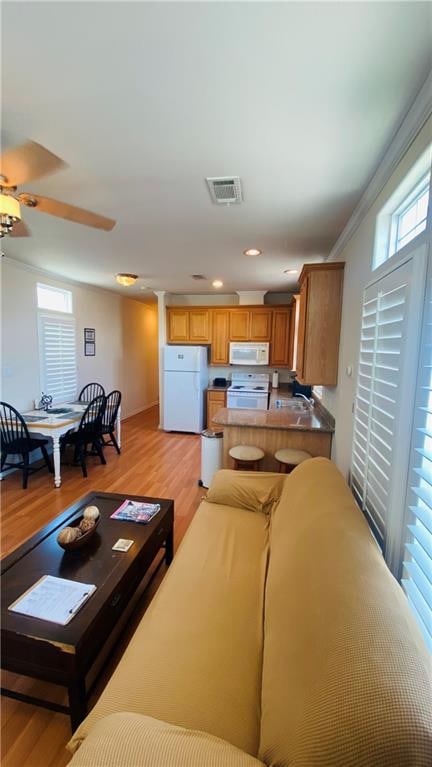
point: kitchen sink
(298, 406)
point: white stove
(249, 390)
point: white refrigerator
(185, 381)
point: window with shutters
(417, 564)
(57, 344)
(389, 346)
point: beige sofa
(278, 637)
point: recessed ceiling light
(217, 283)
(290, 271)
(252, 252)
(126, 279)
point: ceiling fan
(25, 163)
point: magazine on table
(136, 511)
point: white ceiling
(144, 100)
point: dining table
(56, 421)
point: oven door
(247, 400)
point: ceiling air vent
(225, 190)
(198, 277)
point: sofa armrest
(250, 490)
(141, 741)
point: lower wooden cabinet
(215, 401)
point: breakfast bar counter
(292, 425)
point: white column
(162, 341)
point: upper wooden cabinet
(239, 323)
(220, 337)
(250, 324)
(220, 325)
(188, 325)
(199, 326)
(178, 325)
(260, 328)
(319, 323)
(280, 347)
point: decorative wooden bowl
(83, 539)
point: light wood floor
(152, 463)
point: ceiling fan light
(9, 206)
(10, 213)
(126, 279)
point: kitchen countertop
(275, 418)
(211, 387)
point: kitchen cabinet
(218, 325)
(280, 337)
(220, 337)
(251, 324)
(260, 327)
(319, 323)
(215, 401)
(178, 325)
(188, 325)
(199, 326)
(239, 323)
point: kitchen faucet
(309, 401)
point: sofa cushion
(133, 740)
(346, 675)
(195, 659)
(251, 490)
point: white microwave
(248, 353)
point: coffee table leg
(169, 547)
(77, 703)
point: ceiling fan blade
(20, 229)
(27, 163)
(69, 212)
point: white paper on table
(53, 599)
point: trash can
(211, 455)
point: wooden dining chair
(87, 433)
(16, 440)
(113, 401)
(90, 391)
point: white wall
(126, 340)
(357, 255)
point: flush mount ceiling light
(126, 279)
(252, 252)
(10, 213)
(217, 283)
(290, 271)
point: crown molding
(419, 111)
(67, 280)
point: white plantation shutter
(383, 338)
(58, 357)
(389, 347)
(417, 567)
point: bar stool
(246, 457)
(288, 458)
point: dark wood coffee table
(66, 655)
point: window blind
(377, 405)
(417, 565)
(58, 357)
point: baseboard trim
(140, 410)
